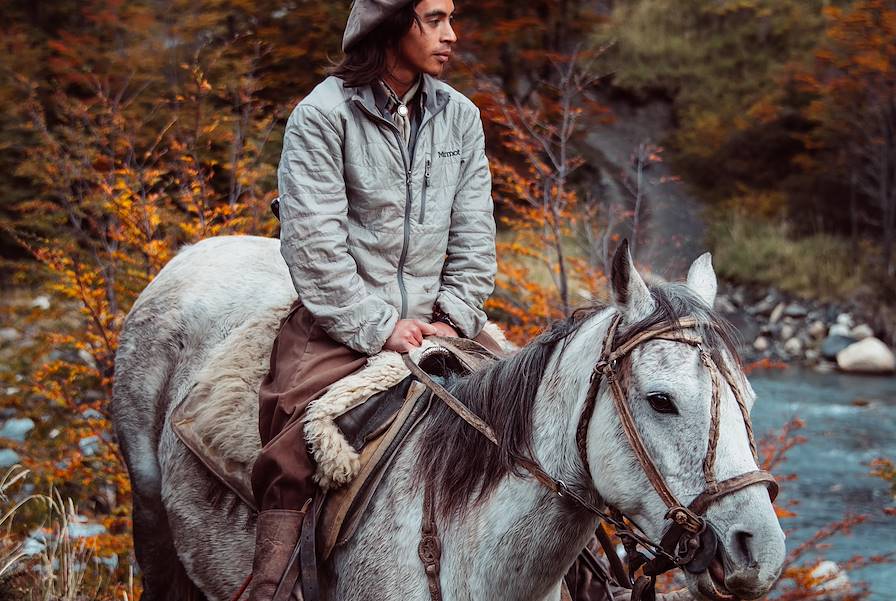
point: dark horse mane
(462, 467)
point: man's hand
(408, 334)
(443, 329)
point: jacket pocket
(427, 174)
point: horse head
(669, 386)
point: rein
(690, 542)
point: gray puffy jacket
(373, 232)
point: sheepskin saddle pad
(218, 418)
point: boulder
(867, 356)
(41, 302)
(793, 346)
(766, 305)
(833, 345)
(761, 344)
(777, 313)
(787, 332)
(9, 334)
(845, 319)
(861, 332)
(796, 311)
(89, 445)
(8, 458)
(817, 330)
(16, 429)
(839, 329)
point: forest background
(132, 128)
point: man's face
(427, 48)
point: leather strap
(726, 487)
(616, 567)
(709, 461)
(591, 396)
(308, 586)
(478, 423)
(430, 547)
(450, 400)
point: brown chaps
(305, 362)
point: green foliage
(719, 62)
(706, 53)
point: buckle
(687, 519)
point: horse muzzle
(736, 574)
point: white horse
(503, 535)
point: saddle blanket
(218, 418)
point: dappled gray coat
(373, 231)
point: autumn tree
(853, 85)
(550, 262)
(134, 132)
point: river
(849, 421)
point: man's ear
(630, 293)
(702, 279)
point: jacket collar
(432, 98)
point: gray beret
(365, 16)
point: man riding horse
(388, 232)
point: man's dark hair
(365, 61)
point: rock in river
(817, 330)
(867, 356)
(834, 344)
(796, 311)
(777, 313)
(839, 329)
(861, 332)
(794, 346)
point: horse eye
(661, 403)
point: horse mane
(461, 467)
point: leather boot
(276, 534)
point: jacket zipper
(426, 174)
(408, 200)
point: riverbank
(776, 327)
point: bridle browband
(690, 542)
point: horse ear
(702, 279)
(630, 293)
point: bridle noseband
(689, 542)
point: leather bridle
(689, 542)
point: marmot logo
(448, 153)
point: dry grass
(63, 570)
(753, 251)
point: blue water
(849, 421)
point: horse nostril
(742, 540)
(739, 546)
